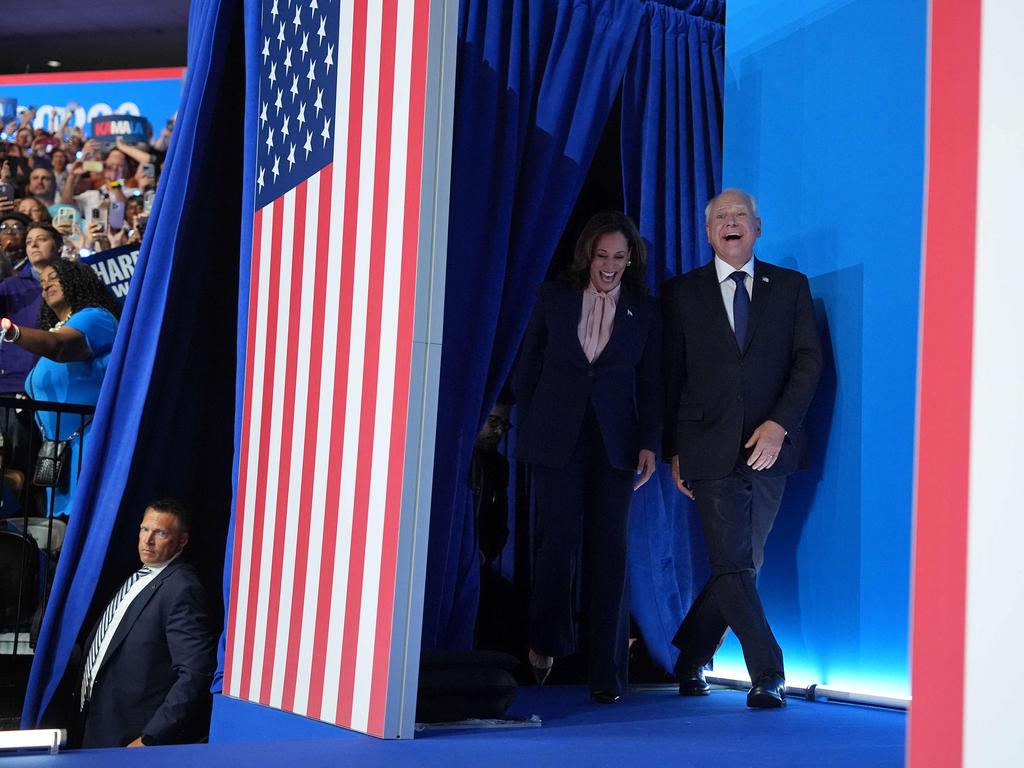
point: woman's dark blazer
(554, 380)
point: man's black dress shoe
(767, 693)
(604, 697)
(692, 682)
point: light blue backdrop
(824, 123)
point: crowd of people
(63, 196)
(96, 194)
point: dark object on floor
(767, 693)
(460, 685)
(604, 697)
(692, 682)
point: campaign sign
(132, 129)
(115, 268)
(154, 93)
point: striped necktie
(89, 676)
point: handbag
(51, 469)
(52, 461)
(51, 464)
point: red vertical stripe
(288, 326)
(230, 662)
(260, 502)
(344, 330)
(943, 449)
(320, 259)
(403, 355)
(371, 360)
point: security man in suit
(742, 359)
(150, 658)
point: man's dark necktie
(740, 307)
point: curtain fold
(163, 423)
(671, 165)
(536, 82)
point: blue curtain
(536, 82)
(164, 421)
(251, 26)
(671, 165)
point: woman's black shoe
(604, 697)
(541, 666)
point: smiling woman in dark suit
(589, 392)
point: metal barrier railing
(32, 529)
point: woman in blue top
(77, 325)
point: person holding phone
(7, 185)
(77, 325)
(13, 226)
(145, 173)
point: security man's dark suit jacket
(554, 381)
(155, 678)
(718, 394)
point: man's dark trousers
(737, 513)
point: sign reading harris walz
(115, 268)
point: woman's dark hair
(601, 224)
(53, 234)
(82, 288)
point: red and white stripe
(968, 612)
(330, 333)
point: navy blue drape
(163, 423)
(536, 82)
(671, 165)
(672, 133)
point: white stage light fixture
(43, 738)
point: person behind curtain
(77, 325)
(148, 660)
(588, 389)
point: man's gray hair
(751, 202)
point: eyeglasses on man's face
(12, 227)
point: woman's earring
(628, 263)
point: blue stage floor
(651, 727)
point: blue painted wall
(824, 124)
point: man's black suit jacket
(554, 381)
(155, 678)
(718, 393)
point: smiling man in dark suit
(150, 658)
(742, 360)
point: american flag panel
(330, 325)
